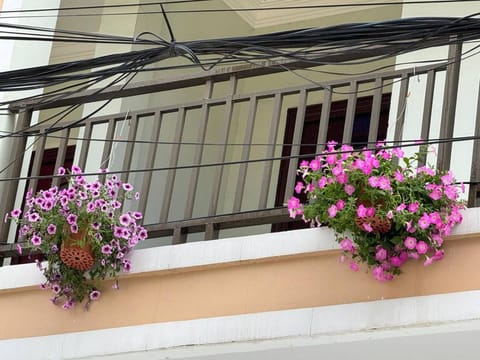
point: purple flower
(95, 225)
(51, 229)
(381, 254)
(94, 295)
(61, 170)
(424, 221)
(137, 195)
(142, 234)
(106, 249)
(127, 187)
(299, 187)
(116, 204)
(118, 231)
(347, 245)
(90, 207)
(76, 169)
(137, 215)
(16, 213)
(422, 247)
(56, 288)
(361, 211)
(72, 219)
(95, 185)
(127, 265)
(36, 240)
(367, 227)
(396, 261)
(125, 219)
(132, 242)
(74, 228)
(349, 189)
(68, 304)
(398, 152)
(410, 242)
(413, 207)
(332, 211)
(399, 176)
(354, 266)
(19, 249)
(33, 217)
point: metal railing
(226, 187)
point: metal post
(10, 190)
(449, 105)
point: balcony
(224, 163)
(220, 165)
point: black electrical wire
(396, 144)
(226, 10)
(91, 7)
(305, 45)
(29, 131)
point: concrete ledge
(222, 251)
(290, 330)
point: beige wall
(280, 283)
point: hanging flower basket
(76, 252)
(383, 209)
(83, 234)
(375, 223)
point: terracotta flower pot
(378, 224)
(76, 255)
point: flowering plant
(383, 211)
(82, 233)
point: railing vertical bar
(37, 161)
(237, 203)
(324, 120)
(192, 189)
(107, 148)
(10, 190)
(87, 134)
(132, 134)
(449, 105)
(272, 139)
(475, 167)
(171, 174)
(62, 151)
(211, 231)
(222, 152)
(350, 113)
(179, 236)
(295, 149)
(150, 162)
(427, 112)
(402, 106)
(375, 114)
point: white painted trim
(222, 251)
(435, 314)
(261, 19)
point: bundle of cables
(340, 44)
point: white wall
(17, 55)
(467, 95)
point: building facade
(260, 287)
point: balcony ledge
(183, 257)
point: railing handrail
(196, 79)
(336, 83)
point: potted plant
(382, 208)
(82, 233)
